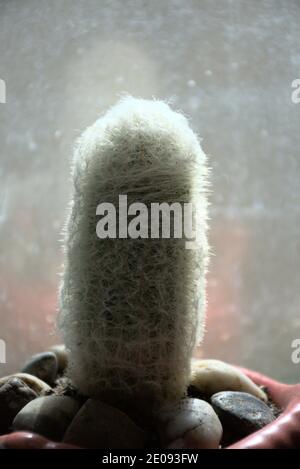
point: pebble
(39, 386)
(191, 423)
(44, 366)
(61, 356)
(48, 416)
(14, 395)
(99, 425)
(211, 376)
(241, 412)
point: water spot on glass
(57, 134)
(191, 83)
(32, 145)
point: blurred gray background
(228, 65)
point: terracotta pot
(284, 432)
(28, 440)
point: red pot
(28, 440)
(284, 432)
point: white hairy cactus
(131, 310)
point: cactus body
(131, 310)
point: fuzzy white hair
(131, 310)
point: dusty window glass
(227, 65)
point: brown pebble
(14, 395)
